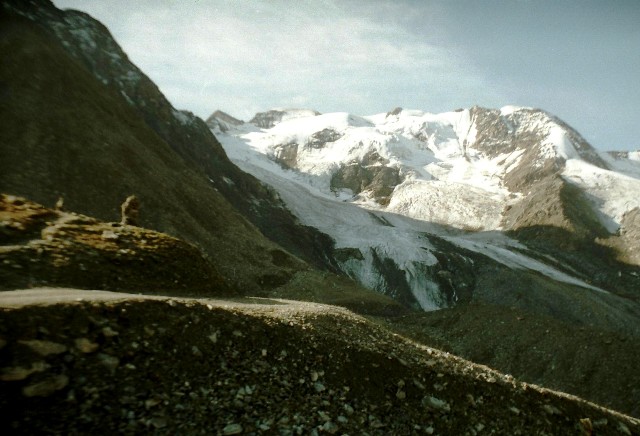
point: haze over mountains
(507, 212)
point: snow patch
(612, 194)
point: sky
(577, 59)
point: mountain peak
(270, 118)
(222, 121)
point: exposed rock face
(320, 138)
(270, 118)
(377, 180)
(287, 155)
(222, 121)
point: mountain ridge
(524, 175)
(80, 50)
(67, 133)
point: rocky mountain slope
(45, 247)
(80, 121)
(417, 202)
(518, 225)
(255, 366)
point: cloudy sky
(578, 59)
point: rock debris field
(93, 361)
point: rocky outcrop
(222, 121)
(378, 181)
(269, 119)
(46, 247)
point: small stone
(586, 425)
(158, 422)
(342, 419)
(196, 351)
(110, 362)
(18, 373)
(319, 387)
(329, 427)
(314, 376)
(377, 424)
(84, 345)
(551, 410)
(434, 403)
(108, 332)
(45, 348)
(347, 408)
(401, 395)
(213, 337)
(46, 387)
(418, 384)
(479, 426)
(109, 235)
(515, 410)
(429, 430)
(152, 402)
(623, 429)
(471, 400)
(232, 429)
(324, 416)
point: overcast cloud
(577, 59)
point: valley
(466, 272)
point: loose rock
(84, 345)
(46, 387)
(44, 348)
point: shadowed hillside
(74, 127)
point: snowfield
(448, 189)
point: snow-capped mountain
(417, 201)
